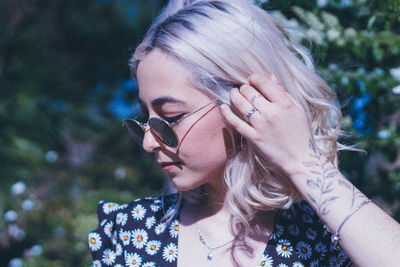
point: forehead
(160, 75)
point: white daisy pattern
(297, 264)
(121, 219)
(133, 260)
(125, 237)
(160, 228)
(150, 221)
(94, 241)
(156, 206)
(149, 264)
(108, 257)
(109, 207)
(135, 234)
(138, 212)
(152, 247)
(139, 238)
(266, 261)
(174, 229)
(108, 229)
(170, 252)
(284, 248)
(118, 250)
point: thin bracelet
(335, 238)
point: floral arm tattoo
(321, 180)
(355, 194)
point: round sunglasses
(161, 128)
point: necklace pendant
(209, 256)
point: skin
(202, 157)
(279, 129)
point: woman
(243, 128)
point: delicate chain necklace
(210, 249)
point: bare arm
(278, 126)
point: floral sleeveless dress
(134, 235)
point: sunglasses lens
(134, 130)
(164, 132)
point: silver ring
(254, 97)
(251, 112)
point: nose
(150, 141)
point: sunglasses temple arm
(187, 115)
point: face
(166, 92)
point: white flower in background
(350, 33)
(384, 134)
(330, 19)
(344, 80)
(11, 216)
(119, 173)
(315, 36)
(396, 90)
(51, 156)
(28, 204)
(309, 18)
(18, 188)
(395, 73)
(332, 34)
(322, 3)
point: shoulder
(308, 238)
(118, 224)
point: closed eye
(173, 119)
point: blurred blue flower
(51, 156)
(28, 205)
(18, 188)
(396, 90)
(16, 232)
(16, 262)
(397, 186)
(384, 134)
(119, 106)
(11, 216)
(36, 250)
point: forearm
(369, 236)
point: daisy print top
(134, 235)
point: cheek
(205, 145)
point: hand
(273, 121)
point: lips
(166, 164)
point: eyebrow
(163, 100)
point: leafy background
(65, 85)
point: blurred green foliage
(65, 85)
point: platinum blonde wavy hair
(221, 42)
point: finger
(254, 97)
(269, 87)
(245, 108)
(237, 123)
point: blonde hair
(220, 43)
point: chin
(183, 186)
